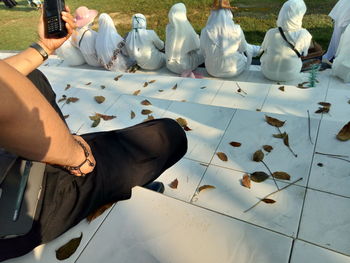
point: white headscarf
(137, 37)
(107, 39)
(180, 35)
(290, 19)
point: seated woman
(84, 37)
(144, 45)
(341, 64)
(110, 46)
(223, 43)
(182, 46)
(283, 46)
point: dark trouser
(124, 158)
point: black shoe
(155, 186)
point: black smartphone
(54, 25)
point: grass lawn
(18, 25)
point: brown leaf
(146, 102)
(258, 177)
(246, 181)
(132, 115)
(344, 133)
(182, 122)
(322, 110)
(204, 187)
(137, 92)
(174, 184)
(325, 104)
(150, 117)
(106, 117)
(258, 109)
(274, 122)
(146, 112)
(267, 148)
(102, 86)
(280, 135)
(64, 97)
(268, 201)
(69, 248)
(281, 88)
(258, 156)
(160, 90)
(99, 99)
(281, 175)
(222, 156)
(286, 140)
(183, 100)
(66, 116)
(175, 87)
(145, 84)
(348, 101)
(301, 85)
(235, 144)
(67, 87)
(89, 83)
(151, 81)
(96, 122)
(71, 99)
(98, 212)
(202, 87)
(118, 77)
(186, 128)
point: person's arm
(31, 128)
(157, 41)
(29, 59)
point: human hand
(51, 44)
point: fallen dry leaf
(145, 84)
(186, 128)
(268, 201)
(325, 104)
(64, 97)
(151, 81)
(99, 99)
(69, 248)
(267, 148)
(205, 187)
(280, 135)
(259, 177)
(258, 109)
(222, 156)
(102, 86)
(274, 122)
(89, 83)
(137, 92)
(344, 133)
(71, 99)
(149, 118)
(96, 122)
(98, 212)
(235, 144)
(160, 90)
(246, 181)
(182, 122)
(258, 156)
(146, 112)
(202, 87)
(66, 116)
(175, 87)
(322, 110)
(174, 184)
(118, 77)
(132, 115)
(286, 140)
(146, 102)
(67, 87)
(281, 175)
(301, 85)
(106, 117)
(281, 88)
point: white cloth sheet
(223, 45)
(144, 45)
(279, 62)
(70, 54)
(182, 46)
(341, 64)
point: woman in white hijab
(341, 17)
(283, 46)
(144, 45)
(223, 43)
(84, 37)
(182, 47)
(110, 46)
(341, 64)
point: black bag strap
(290, 44)
(82, 37)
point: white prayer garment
(279, 61)
(85, 40)
(341, 64)
(110, 46)
(341, 17)
(70, 54)
(144, 45)
(224, 46)
(182, 46)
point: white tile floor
(309, 221)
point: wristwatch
(40, 50)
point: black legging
(124, 158)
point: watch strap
(40, 50)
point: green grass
(18, 25)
